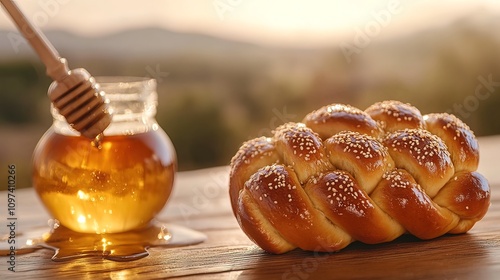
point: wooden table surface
(200, 201)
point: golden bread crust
(345, 175)
(394, 115)
(332, 119)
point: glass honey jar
(119, 181)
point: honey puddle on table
(125, 246)
(101, 194)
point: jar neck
(132, 102)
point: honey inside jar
(119, 181)
(118, 186)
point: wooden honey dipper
(74, 93)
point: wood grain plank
(228, 250)
(229, 254)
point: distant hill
(157, 43)
(143, 43)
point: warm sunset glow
(275, 22)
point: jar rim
(129, 81)
(132, 101)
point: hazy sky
(302, 22)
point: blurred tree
(198, 131)
(22, 87)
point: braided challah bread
(344, 174)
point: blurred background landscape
(229, 71)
